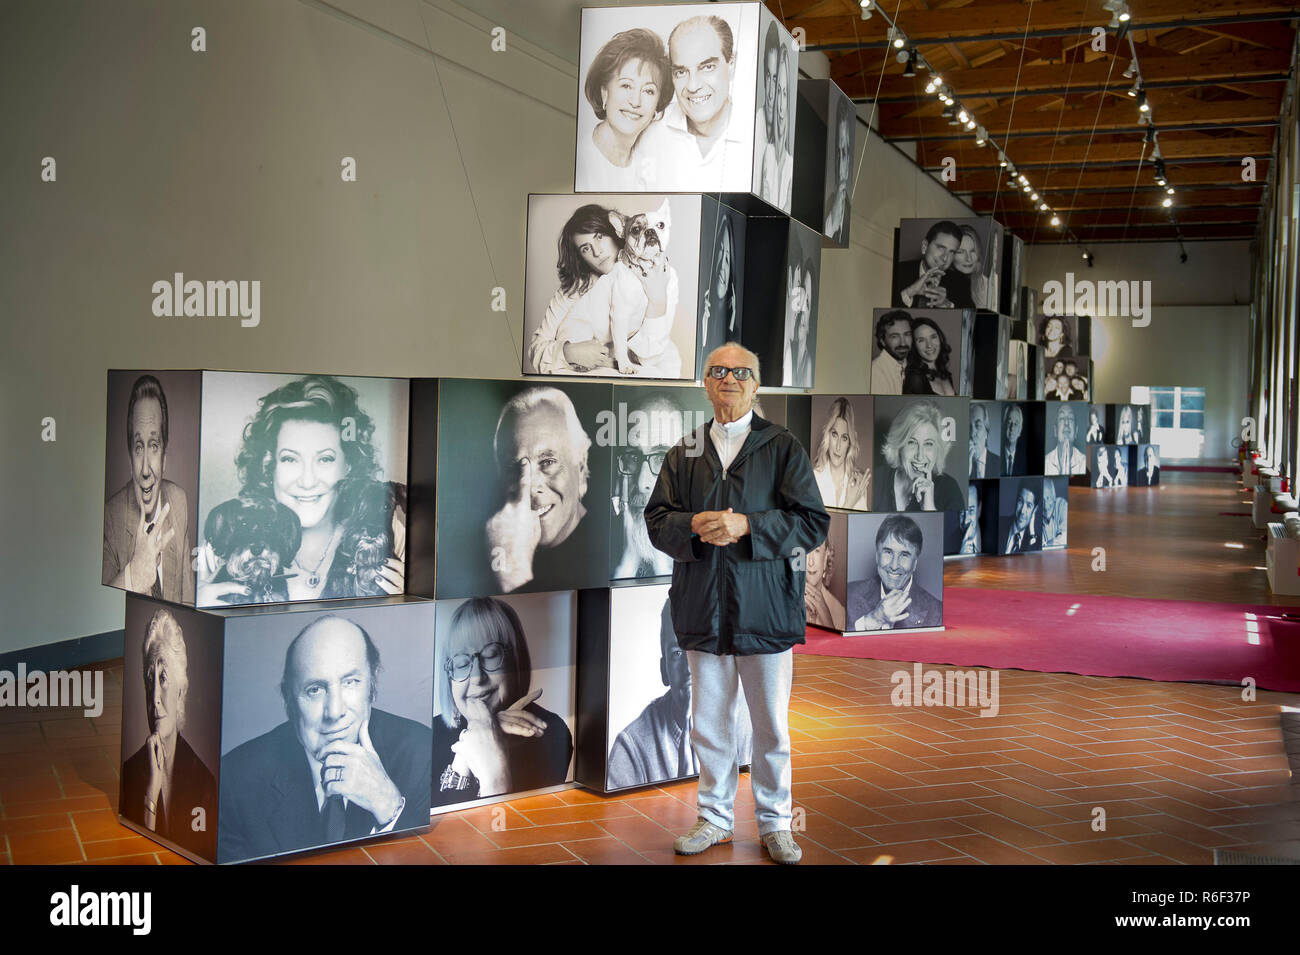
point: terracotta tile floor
(1179, 770)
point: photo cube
(921, 351)
(508, 664)
(695, 97)
(948, 263)
(893, 565)
(920, 457)
(613, 284)
(634, 693)
(288, 728)
(292, 487)
(523, 477)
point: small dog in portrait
(617, 307)
(254, 539)
(369, 540)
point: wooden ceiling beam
(970, 157)
(1192, 70)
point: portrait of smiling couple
(947, 263)
(673, 99)
(917, 351)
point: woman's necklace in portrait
(313, 574)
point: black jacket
(747, 597)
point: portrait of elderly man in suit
(339, 768)
(165, 781)
(891, 599)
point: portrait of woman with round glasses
(492, 737)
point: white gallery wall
(225, 165)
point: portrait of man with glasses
(656, 420)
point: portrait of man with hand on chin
(891, 599)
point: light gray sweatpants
(765, 679)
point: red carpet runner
(1170, 640)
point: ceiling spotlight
(1143, 105)
(929, 87)
(866, 9)
(1026, 187)
(970, 124)
(1151, 136)
(1087, 257)
(897, 37)
(963, 116)
(1002, 161)
(1043, 207)
(1034, 197)
(1161, 180)
(1133, 90)
(979, 138)
(1170, 190)
(1124, 16)
(1022, 178)
(1132, 69)
(1056, 220)
(936, 79)
(910, 69)
(1166, 202)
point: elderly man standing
(731, 519)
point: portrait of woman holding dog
(313, 516)
(620, 285)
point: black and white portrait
(1020, 507)
(948, 263)
(151, 483)
(523, 486)
(1056, 336)
(895, 571)
(1109, 465)
(1148, 466)
(1124, 429)
(985, 440)
(648, 732)
(1001, 381)
(649, 422)
(612, 285)
(504, 696)
(171, 725)
(774, 114)
(963, 533)
(799, 342)
(325, 727)
(666, 98)
(1063, 379)
(1096, 433)
(966, 383)
(722, 278)
(841, 450)
(826, 577)
(1055, 512)
(302, 488)
(839, 166)
(916, 466)
(1018, 371)
(917, 351)
(1066, 432)
(1014, 436)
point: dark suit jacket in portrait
(193, 786)
(268, 795)
(122, 517)
(925, 610)
(1020, 463)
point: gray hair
(530, 399)
(163, 636)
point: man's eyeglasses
(490, 659)
(720, 371)
(630, 460)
